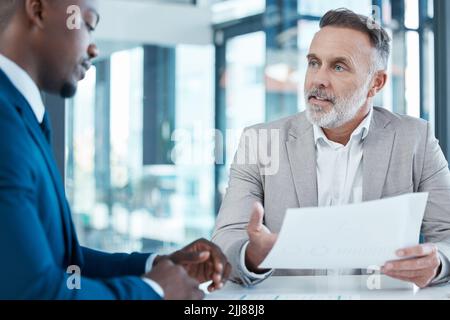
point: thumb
(256, 220)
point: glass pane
(80, 178)
(412, 74)
(306, 32)
(195, 121)
(412, 14)
(244, 86)
(319, 8)
(228, 10)
(385, 97)
(245, 94)
(430, 8)
(428, 79)
(126, 142)
(120, 204)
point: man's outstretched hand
(261, 240)
(203, 261)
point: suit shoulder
(402, 122)
(9, 115)
(12, 126)
(281, 124)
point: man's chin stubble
(68, 90)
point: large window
(135, 177)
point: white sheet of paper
(355, 236)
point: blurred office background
(144, 168)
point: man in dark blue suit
(39, 50)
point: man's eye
(313, 63)
(339, 68)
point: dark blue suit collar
(73, 253)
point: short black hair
(345, 18)
(7, 9)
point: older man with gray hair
(341, 150)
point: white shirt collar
(362, 130)
(26, 86)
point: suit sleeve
(28, 269)
(435, 179)
(244, 189)
(99, 264)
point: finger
(211, 287)
(215, 286)
(198, 271)
(421, 280)
(182, 257)
(218, 260)
(400, 278)
(216, 255)
(226, 275)
(217, 279)
(256, 219)
(203, 271)
(430, 261)
(217, 282)
(417, 251)
(406, 274)
(227, 272)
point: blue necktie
(46, 128)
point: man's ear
(378, 84)
(34, 11)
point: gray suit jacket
(400, 155)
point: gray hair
(379, 38)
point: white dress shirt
(339, 182)
(339, 167)
(26, 86)
(339, 175)
(150, 282)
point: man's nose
(93, 51)
(320, 78)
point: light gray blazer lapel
(376, 155)
(377, 150)
(302, 159)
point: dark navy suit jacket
(37, 237)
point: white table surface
(330, 288)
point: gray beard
(343, 111)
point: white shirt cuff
(248, 273)
(149, 262)
(155, 286)
(444, 269)
(148, 267)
